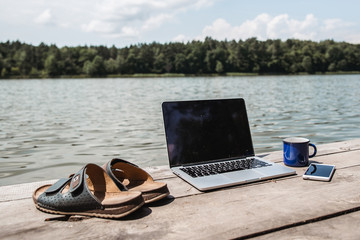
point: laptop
(209, 144)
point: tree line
(196, 57)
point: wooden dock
(284, 208)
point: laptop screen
(206, 130)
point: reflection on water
(51, 128)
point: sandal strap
(111, 166)
(58, 185)
(117, 160)
(77, 180)
(111, 174)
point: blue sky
(125, 22)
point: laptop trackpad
(243, 176)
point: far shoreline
(178, 75)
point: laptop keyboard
(222, 167)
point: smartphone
(321, 172)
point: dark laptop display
(209, 144)
(202, 131)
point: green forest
(252, 56)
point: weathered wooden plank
(226, 213)
(20, 191)
(341, 227)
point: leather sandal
(134, 178)
(89, 192)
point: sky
(127, 22)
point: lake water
(50, 128)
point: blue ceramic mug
(296, 151)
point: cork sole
(150, 199)
(98, 213)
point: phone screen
(319, 170)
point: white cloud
(251, 28)
(180, 38)
(219, 29)
(331, 24)
(282, 27)
(98, 26)
(129, 32)
(106, 18)
(353, 38)
(156, 21)
(44, 18)
(136, 16)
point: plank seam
(301, 223)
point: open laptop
(209, 144)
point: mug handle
(315, 150)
